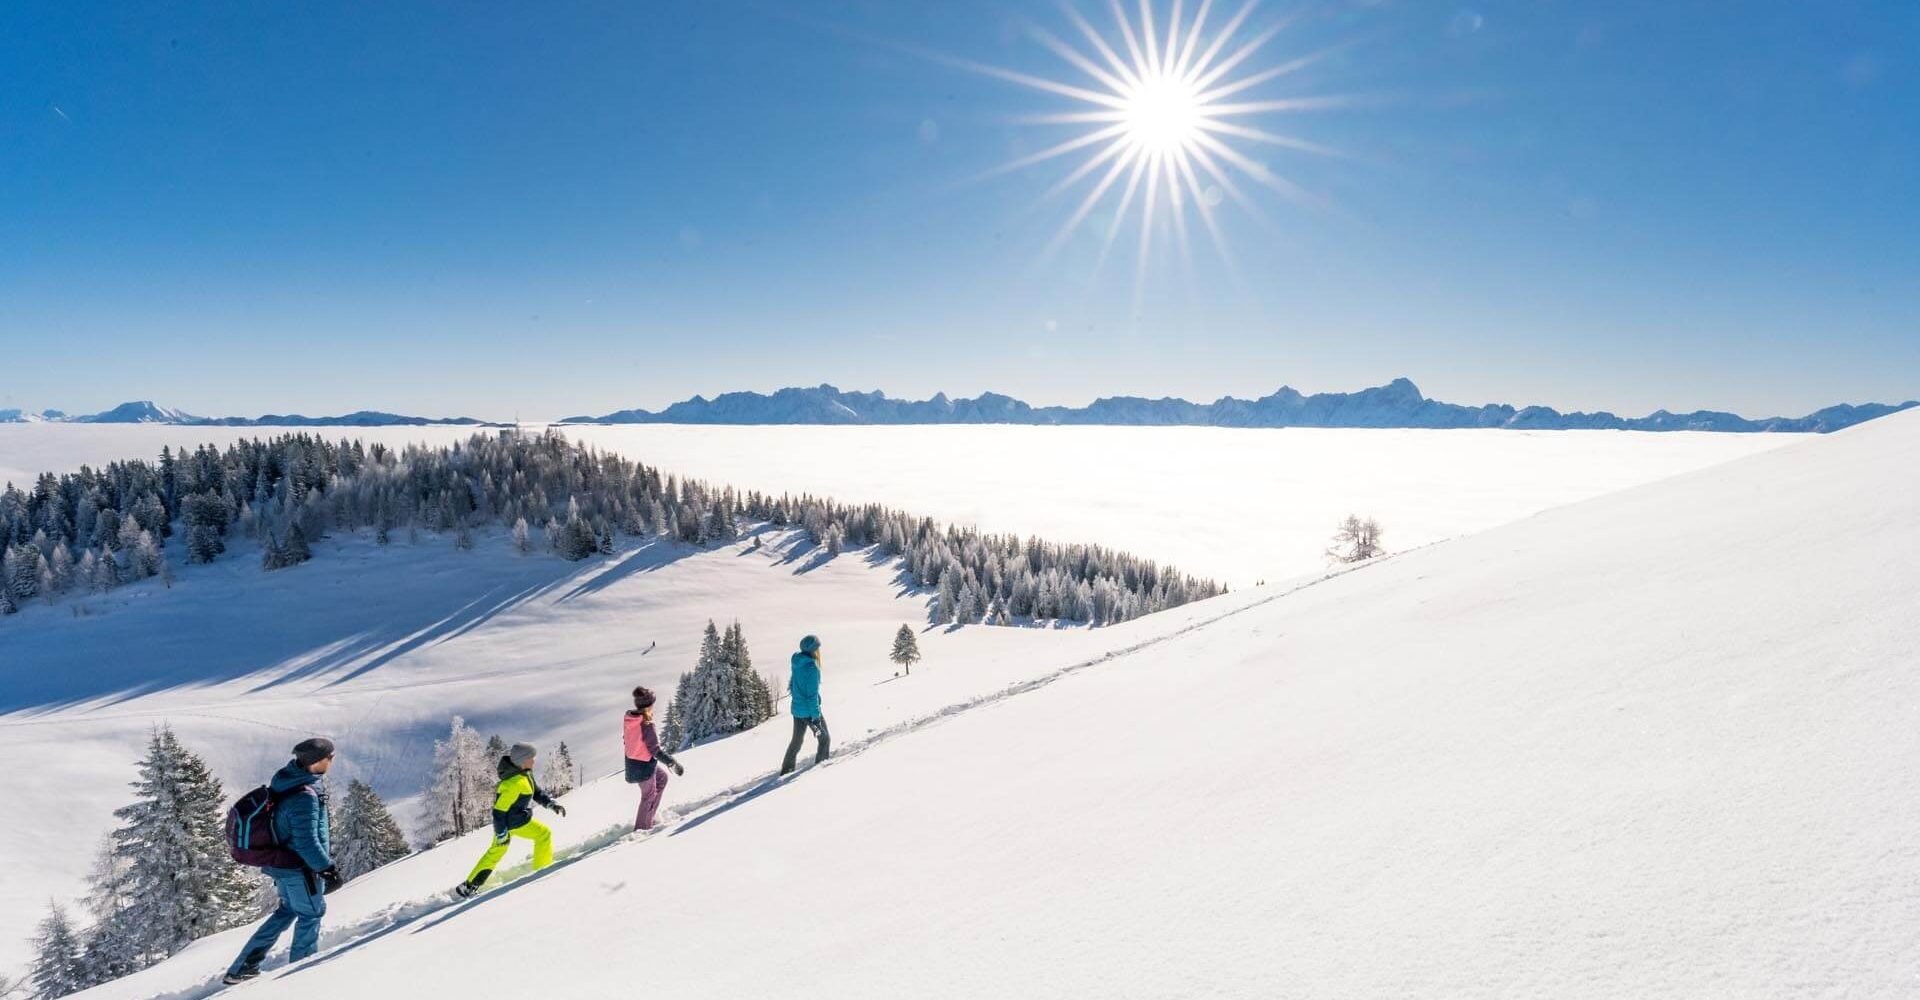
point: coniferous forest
(93, 530)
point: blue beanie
(809, 644)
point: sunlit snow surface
(382, 645)
(1649, 745)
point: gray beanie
(310, 752)
(521, 754)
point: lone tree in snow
(1357, 540)
(906, 649)
(365, 835)
(458, 795)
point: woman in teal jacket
(804, 687)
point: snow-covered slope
(378, 647)
(1653, 745)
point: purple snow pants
(650, 792)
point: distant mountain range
(1399, 403)
(145, 412)
(1396, 404)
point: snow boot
(465, 890)
(236, 978)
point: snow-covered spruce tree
(146, 555)
(60, 569)
(1357, 540)
(456, 798)
(180, 882)
(752, 702)
(673, 727)
(906, 649)
(295, 551)
(522, 542)
(946, 602)
(709, 711)
(365, 835)
(106, 572)
(557, 773)
(59, 962)
(111, 943)
(129, 537)
(23, 573)
(205, 517)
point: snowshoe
(465, 890)
(244, 975)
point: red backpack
(250, 834)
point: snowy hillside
(377, 646)
(1650, 745)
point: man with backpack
(298, 856)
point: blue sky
(559, 208)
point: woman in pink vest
(644, 758)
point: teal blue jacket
(300, 818)
(804, 685)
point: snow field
(1640, 746)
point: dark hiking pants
(818, 724)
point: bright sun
(1163, 107)
(1163, 114)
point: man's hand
(332, 879)
(558, 809)
(678, 770)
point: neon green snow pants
(533, 830)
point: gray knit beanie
(521, 754)
(310, 752)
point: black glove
(332, 879)
(558, 809)
(678, 770)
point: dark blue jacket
(300, 817)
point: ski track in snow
(690, 815)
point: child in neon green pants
(513, 817)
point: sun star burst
(1163, 112)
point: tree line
(93, 530)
